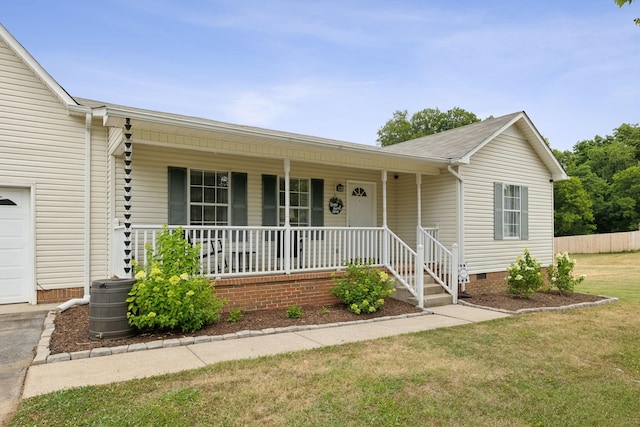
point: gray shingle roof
(455, 143)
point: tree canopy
(622, 3)
(425, 122)
(603, 194)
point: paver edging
(43, 354)
(607, 300)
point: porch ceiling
(183, 132)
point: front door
(361, 208)
(15, 270)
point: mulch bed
(72, 326)
(505, 301)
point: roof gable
(460, 144)
(39, 71)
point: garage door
(15, 225)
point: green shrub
(168, 294)
(362, 288)
(235, 315)
(524, 276)
(561, 275)
(294, 312)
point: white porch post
(419, 201)
(420, 275)
(385, 236)
(287, 218)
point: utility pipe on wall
(87, 219)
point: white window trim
(505, 225)
(189, 202)
(307, 208)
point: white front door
(361, 207)
(15, 268)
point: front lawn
(573, 368)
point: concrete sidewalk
(50, 377)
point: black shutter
(497, 211)
(270, 203)
(317, 206)
(177, 195)
(524, 213)
(269, 200)
(239, 198)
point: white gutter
(460, 197)
(87, 219)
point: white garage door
(15, 268)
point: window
(511, 216)
(209, 197)
(511, 211)
(299, 201)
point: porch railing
(228, 251)
(440, 262)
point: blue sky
(339, 69)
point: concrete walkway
(49, 377)
(20, 329)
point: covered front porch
(281, 204)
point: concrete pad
(42, 379)
(471, 314)
(373, 330)
(26, 308)
(19, 335)
(251, 347)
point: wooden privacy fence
(598, 243)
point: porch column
(127, 197)
(385, 234)
(419, 201)
(287, 218)
(384, 198)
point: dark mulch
(505, 301)
(72, 326)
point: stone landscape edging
(43, 350)
(607, 300)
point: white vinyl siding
(149, 202)
(439, 206)
(42, 145)
(508, 158)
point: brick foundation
(486, 283)
(276, 292)
(53, 296)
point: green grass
(573, 368)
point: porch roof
(113, 115)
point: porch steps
(434, 294)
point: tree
(626, 198)
(622, 3)
(573, 212)
(422, 123)
(607, 167)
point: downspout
(460, 197)
(87, 219)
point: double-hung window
(209, 197)
(206, 197)
(511, 216)
(299, 201)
